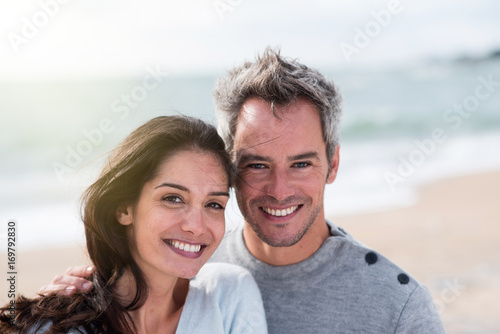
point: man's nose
(279, 185)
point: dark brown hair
(134, 162)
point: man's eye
(172, 199)
(256, 166)
(301, 164)
(215, 205)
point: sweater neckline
(312, 269)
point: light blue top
(222, 298)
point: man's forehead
(258, 118)
(256, 112)
(295, 130)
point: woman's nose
(194, 222)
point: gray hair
(279, 81)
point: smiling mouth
(280, 212)
(184, 246)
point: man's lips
(281, 212)
(184, 248)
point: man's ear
(124, 214)
(334, 167)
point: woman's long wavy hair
(134, 162)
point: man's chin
(277, 238)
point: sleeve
(249, 315)
(40, 328)
(420, 315)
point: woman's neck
(163, 307)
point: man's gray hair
(279, 81)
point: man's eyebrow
(244, 158)
(303, 156)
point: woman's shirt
(222, 298)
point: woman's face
(178, 220)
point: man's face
(282, 170)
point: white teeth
(280, 213)
(184, 246)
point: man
(279, 120)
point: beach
(448, 240)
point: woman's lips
(184, 248)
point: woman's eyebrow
(178, 186)
(219, 193)
(173, 185)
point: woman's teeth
(185, 246)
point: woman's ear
(124, 214)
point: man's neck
(282, 256)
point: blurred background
(420, 139)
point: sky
(73, 38)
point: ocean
(401, 128)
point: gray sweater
(343, 288)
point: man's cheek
(246, 182)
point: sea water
(54, 137)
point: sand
(449, 240)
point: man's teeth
(184, 246)
(280, 213)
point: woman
(152, 220)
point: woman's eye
(172, 199)
(214, 205)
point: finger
(64, 281)
(55, 289)
(80, 271)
